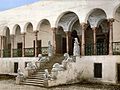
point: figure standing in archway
(76, 49)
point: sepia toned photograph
(59, 44)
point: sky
(8, 4)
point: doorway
(64, 45)
(19, 49)
(39, 51)
(9, 49)
(118, 73)
(15, 67)
(102, 45)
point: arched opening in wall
(29, 41)
(69, 22)
(116, 32)
(116, 39)
(60, 40)
(6, 43)
(102, 38)
(89, 41)
(116, 25)
(75, 33)
(17, 52)
(44, 35)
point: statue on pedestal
(50, 49)
(76, 49)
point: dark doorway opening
(39, 51)
(102, 44)
(9, 49)
(118, 73)
(15, 67)
(34, 47)
(64, 45)
(98, 70)
(19, 49)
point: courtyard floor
(10, 85)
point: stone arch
(43, 22)
(115, 9)
(6, 31)
(95, 15)
(69, 21)
(28, 27)
(6, 42)
(102, 37)
(17, 39)
(65, 19)
(89, 40)
(44, 33)
(15, 28)
(29, 38)
(116, 24)
(60, 40)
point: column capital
(54, 29)
(23, 33)
(84, 25)
(36, 31)
(111, 20)
(12, 36)
(67, 33)
(94, 28)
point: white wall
(7, 64)
(83, 69)
(51, 10)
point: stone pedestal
(19, 80)
(27, 72)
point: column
(54, 38)
(23, 45)
(12, 45)
(94, 39)
(36, 40)
(84, 26)
(110, 21)
(67, 40)
(1, 46)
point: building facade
(25, 31)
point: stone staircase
(37, 79)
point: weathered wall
(7, 64)
(52, 11)
(83, 69)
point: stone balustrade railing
(31, 69)
(59, 67)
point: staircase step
(35, 77)
(40, 73)
(34, 81)
(39, 80)
(33, 84)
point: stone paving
(10, 85)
